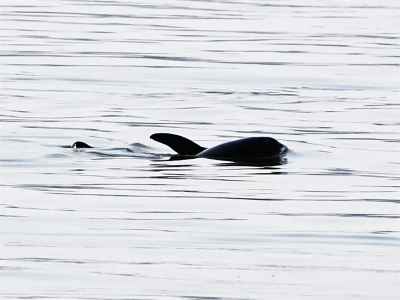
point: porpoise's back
(247, 149)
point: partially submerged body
(253, 149)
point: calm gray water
(121, 222)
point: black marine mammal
(80, 145)
(252, 149)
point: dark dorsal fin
(80, 145)
(179, 144)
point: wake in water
(135, 150)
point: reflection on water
(121, 221)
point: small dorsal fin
(179, 144)
(80, 145)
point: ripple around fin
(140, 146)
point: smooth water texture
(120, 221)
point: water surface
(121, 222)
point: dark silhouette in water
(251, 150)
(80, 145)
